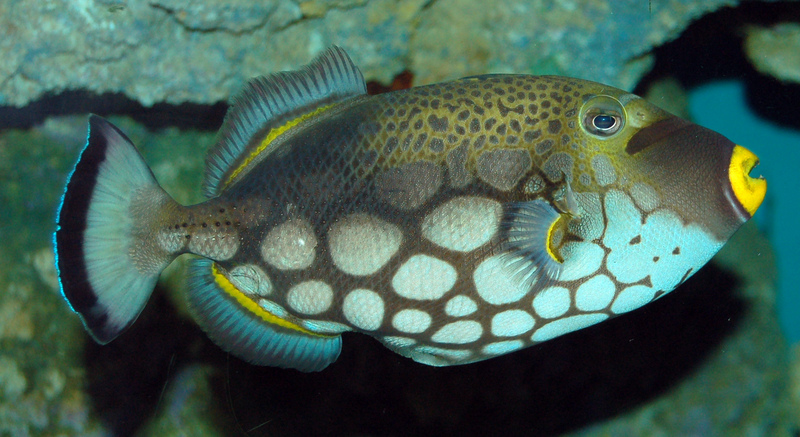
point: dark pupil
(603, 122)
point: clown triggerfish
(453, 222)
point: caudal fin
(102, 272)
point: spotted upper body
(453, 222)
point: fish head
(695, 173)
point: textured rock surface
(41, 347)
(775, 50)
(203, 51)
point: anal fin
(238, 325)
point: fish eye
(604, 122)
(602, 116)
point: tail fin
(103, 212)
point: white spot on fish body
(495, 284)
(694, 249)
(424, 277)
(251, 279)
(364, 309)
(361, 244)
(273, 308)
(590, 226)
(460, 332)
(460, 306)
(581, 259)
(632, 298)
(595, 294)
(453, 354)
(624, 220)
(412, 321)
(666, 250)
(463, 224)
(503, 347)
(423, 357)
(398, 342)
(324, 326)
(552, 302)
(310, 297)
(290, 245)
(511, 323)
(566, 325)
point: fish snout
(749, 191)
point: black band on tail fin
(94, 234)
(68, 238)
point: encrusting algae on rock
(453, 222)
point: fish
(452, 222)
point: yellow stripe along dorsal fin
(240, 326)
(266, 111)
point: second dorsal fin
(270, 106)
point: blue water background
(722, 106)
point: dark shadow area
(158, 116)
(774, 100)
(127, 377)
(712, 48)
(558, 386)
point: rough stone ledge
(177, 51)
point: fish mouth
(749, 191)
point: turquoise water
(722, 106)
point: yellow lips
(749, 191)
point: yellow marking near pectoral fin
(225, 284)
(273, 134)
(535, 232)
(749, 191)
(551, 243)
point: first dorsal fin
(269, 106)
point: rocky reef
(775, 50)
(178, 51)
